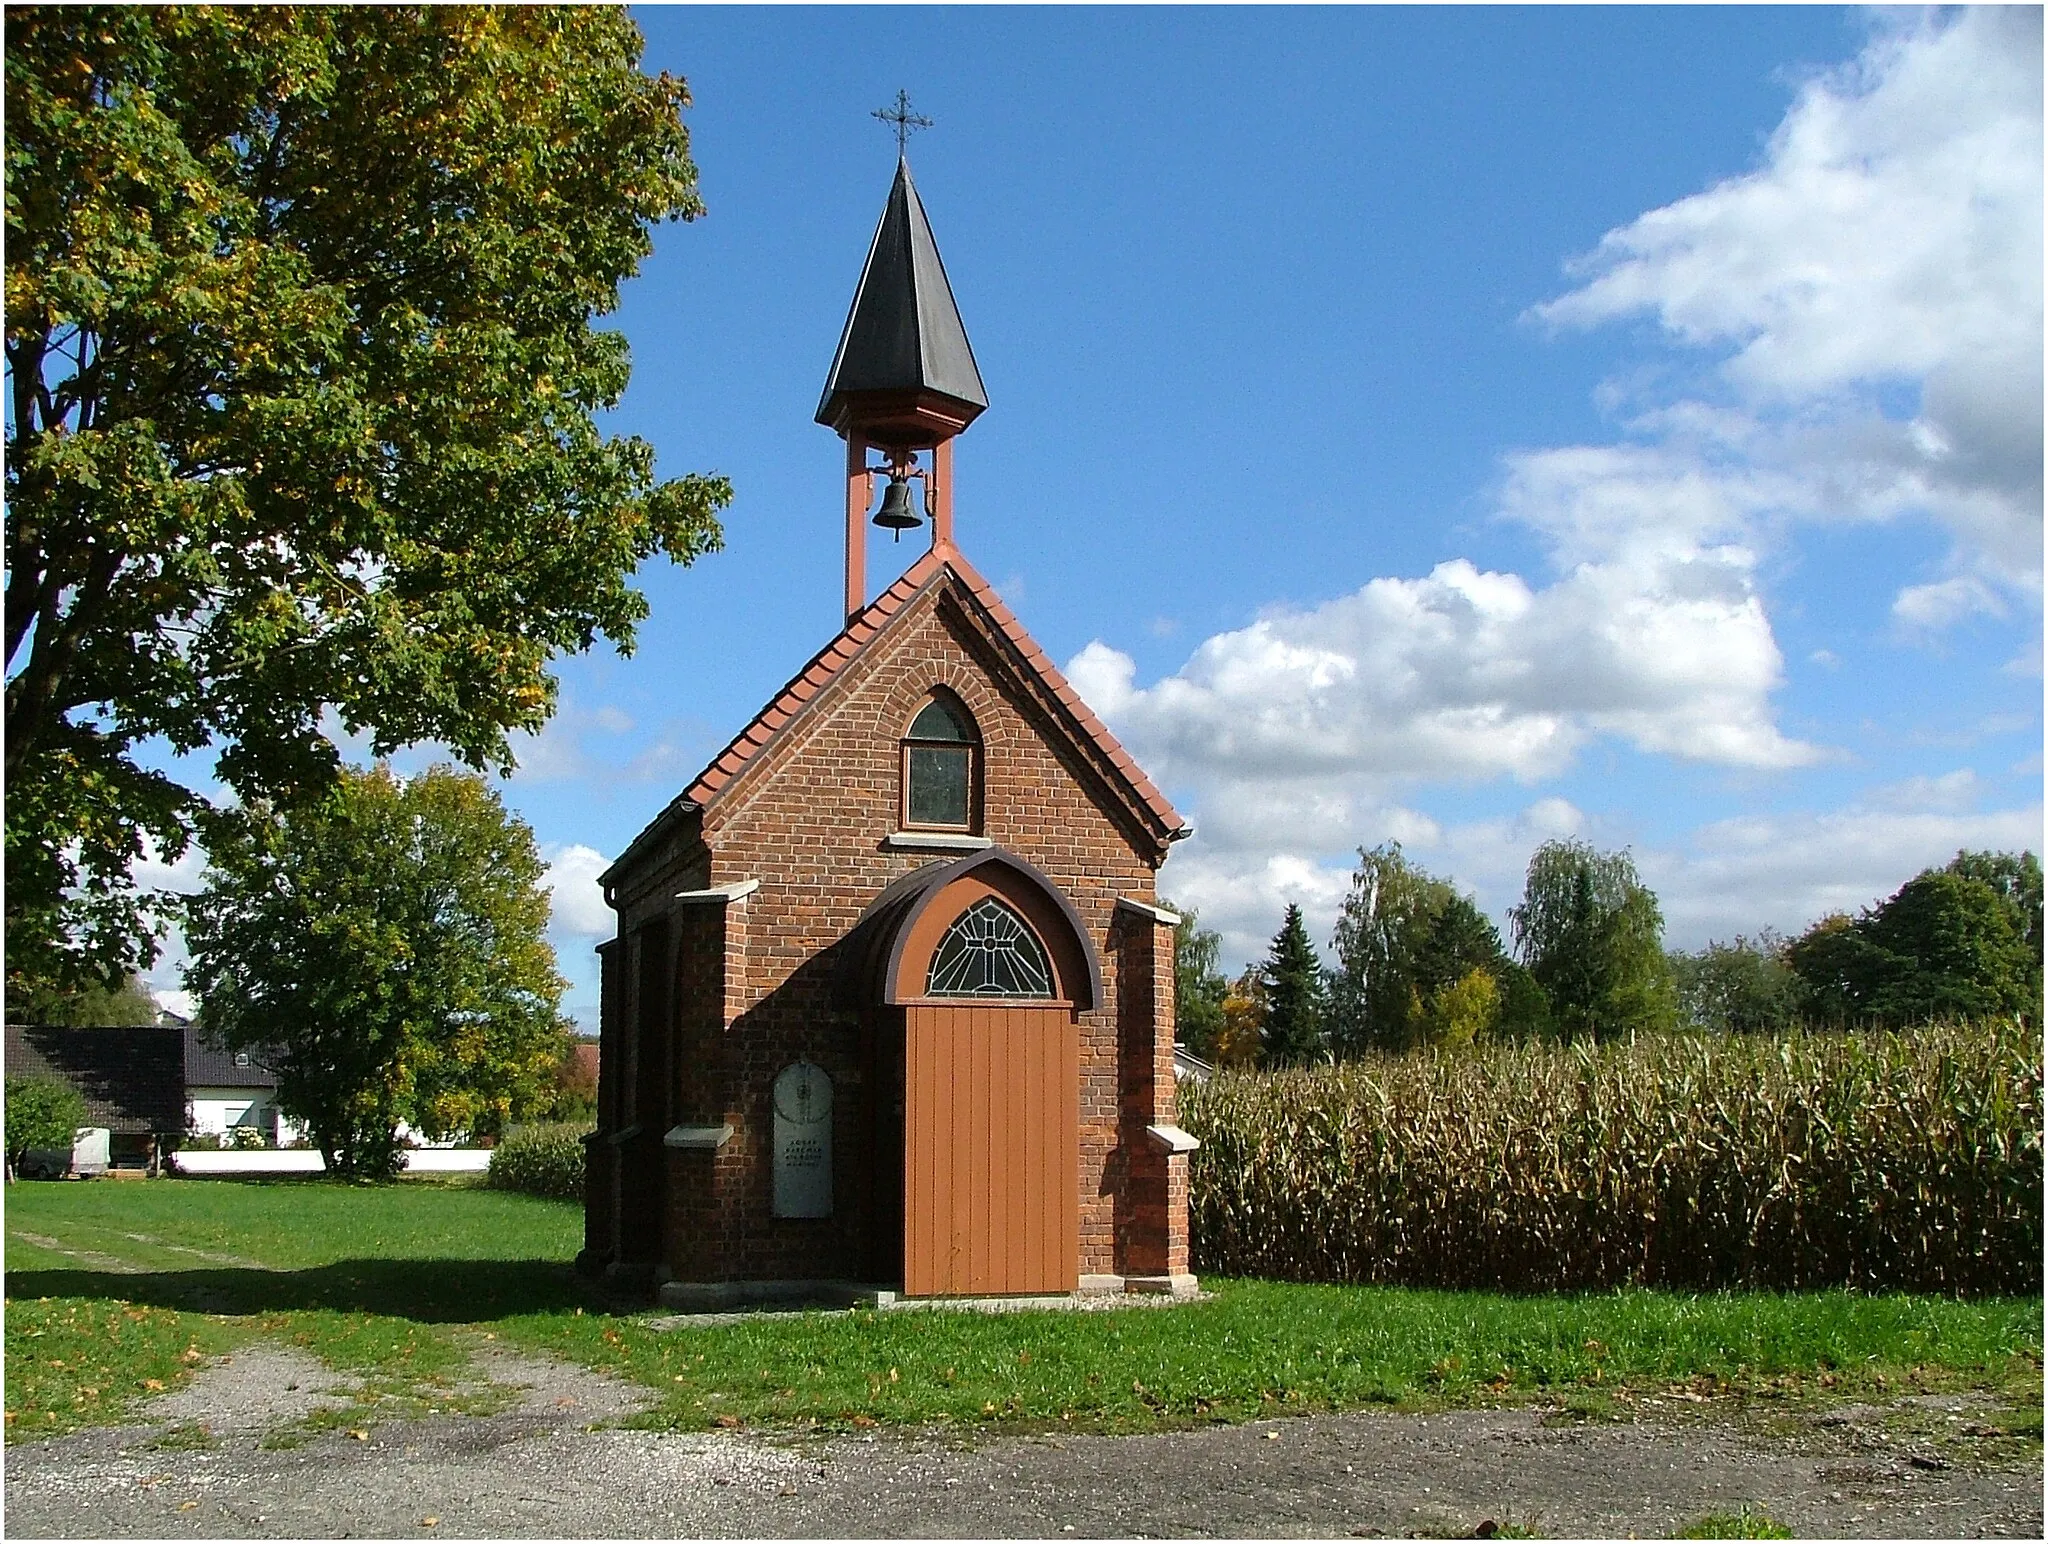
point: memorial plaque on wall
(803, 1141)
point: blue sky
(1464, 426)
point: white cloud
(1891, 241)
(184, 877)
(1241, 891)
(1242, 896)
(1463, 675)
(579, 905)
(1942, 604)
(1788, 871)
(1950, 792)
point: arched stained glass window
(938, 768)
(989, 952)
(939, 722)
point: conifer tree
(1294, 996)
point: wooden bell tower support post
(937, 474)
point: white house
(230, 1090)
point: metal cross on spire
(907, 122)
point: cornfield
(1905, 1161)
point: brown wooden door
(991, 1174)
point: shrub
(41, 1113)
(1879, 1161)
(540, 1161)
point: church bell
(896, 513)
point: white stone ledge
(1171, 1139)
(1158, 914)
(935, 841)
(704, 1137)
(717, 895)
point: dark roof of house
(209, 1066)
(133, 1080)
(903, 331)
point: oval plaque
(803, 1141)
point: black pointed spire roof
(903, 332)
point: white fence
(303, 1160)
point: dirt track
(537, 1470)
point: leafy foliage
(91, 1006)
(1199, 988)
(1878, 1161)
(1419, 964)
(301, 408)
(41, 1113)
(1591, 932)
(1462, 1011)
(387, 950)
(1381, 925)
(541, 1161)
(1747, 985)
(1243, 1036)
(1964, 940)
(572, 1088)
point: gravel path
(537, 1469)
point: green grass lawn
(117, 1290)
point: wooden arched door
(990, 974)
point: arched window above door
(941, 767)
(989, 951)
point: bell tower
(904, 381)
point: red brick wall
(807, 820)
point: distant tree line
(1417, 964)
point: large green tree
(1962, 941)
(1747, 985)
(301, 385)
(1591, 933)
(92, 1006)
(1379, 934)
(1410, 951)
(387, 948)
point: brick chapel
(890, 1006)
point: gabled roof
(934, 568)
(903, 331)
(132, 1079)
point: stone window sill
(935, 841)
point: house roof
(938, 566)
(209, 1066)
(132, 1079)
(903, 331)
